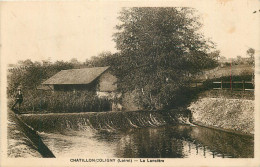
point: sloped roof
(76, 76)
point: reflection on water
(180, 141)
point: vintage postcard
(130, 83)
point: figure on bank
(18, 99)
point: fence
(235, 85)
(196, 84)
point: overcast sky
(66, 30)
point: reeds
(60, 102)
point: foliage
(215, 55)
(105, 59)
(251, 53)
(28, 75)
(159, 47)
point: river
(179, 141)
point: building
(98, 79)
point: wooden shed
(97, 79)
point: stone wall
(19, 145)
(24, 142)
(236, 115)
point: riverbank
(233, 115)
(18, 143)
(23, 141)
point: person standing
(19, 99)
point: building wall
(107, 82)
(72, 87)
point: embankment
(24, 142)
(108, 121)
(235, 115)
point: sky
(58, 30)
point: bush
(170, 96)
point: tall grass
(60, 102)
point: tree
(215, 55)
(239, 60)
(33, 75)
(74, 61)
(158, 47)
(102, 59)
(251, 53)
(222, 59)
(25, 63)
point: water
(181, 141)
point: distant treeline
(32, 74)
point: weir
(108, 121)
(124, 134)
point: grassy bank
(234, 70)
(249, 95)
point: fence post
(243, 85)
(221, 85)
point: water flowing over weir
(108, 121)
(135, 134)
